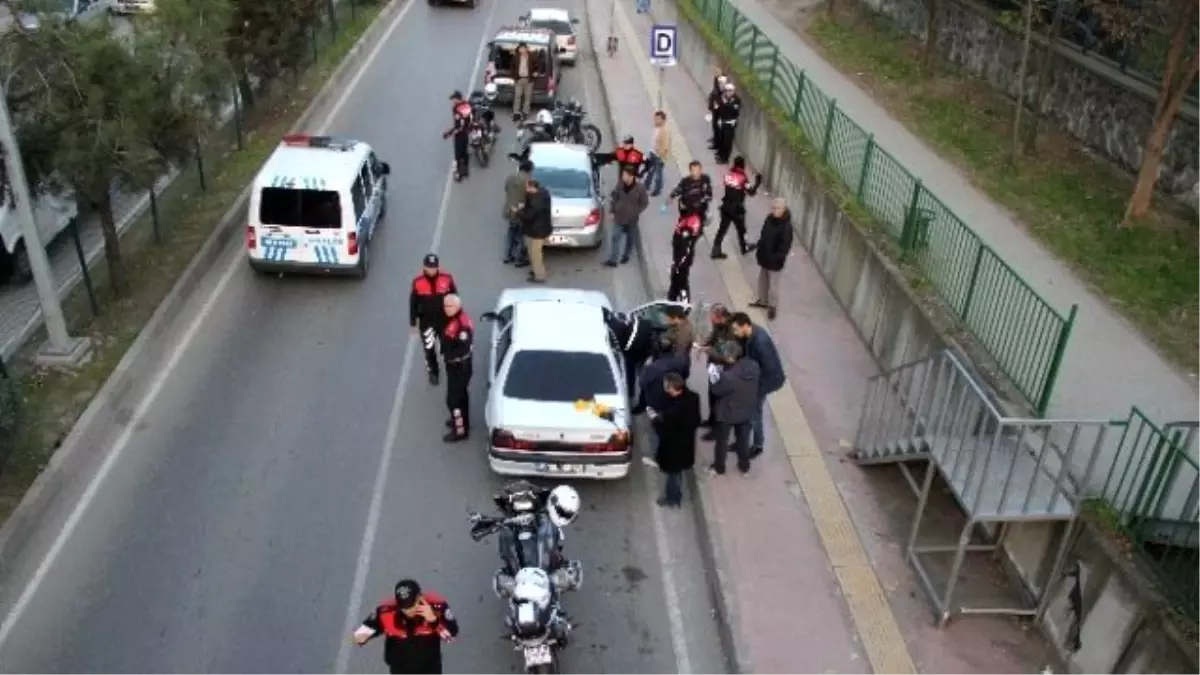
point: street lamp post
(61, 349)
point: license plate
(559, 239)
(560, 468)
(538, 656)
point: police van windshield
(565, 183)
(313, 209)
(575, 376)
(504, 56)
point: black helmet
(456, 95)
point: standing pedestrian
(514, 198)
(719, 333)
(523, 84)
(738, 186)
(760, 348)
(728, 112)
(536, 226)
(675, 424)
(628, 200)
(425, 308)
(656, 164)
(458, 342)
(714, 102)
(774, 243)
(413, 624)
(683, 252)
(461, 117)
(735, 384)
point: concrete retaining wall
(897, 329)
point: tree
(86, 129)
(1040, 88)
(1022, 72)
(1179, 74)
(932, 27)
(269, 38)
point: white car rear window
(314, 209)
(561, 377)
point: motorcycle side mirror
(385, 168)
(474, 517)
(489, 316)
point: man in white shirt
(659, 155)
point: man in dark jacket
(675, 424)
(650, 381)
(735, 384)
(514, 198)
(759, 347)
(774, 244)
(718, 333)
(628, 200)
(536, 225)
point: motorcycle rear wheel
(483, 154)
(591, 136)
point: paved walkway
(807, 548)
(1109, 365)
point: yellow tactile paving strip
(869, 609)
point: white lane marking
(363, 566)
(156, 385)
(662, 543)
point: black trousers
(739, 223)
(429, 341)
(714, 122)
(458, 397)
(711, 420)
(724, 141)
(681, 285)
(430, 666)
(461, 156)
(741, 445)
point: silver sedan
(577, 208)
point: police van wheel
(364, 262)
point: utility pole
(61, 349)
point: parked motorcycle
(569, 126)
(534, 573)
(485, 130)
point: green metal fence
(1020, 330)
(1154, 491)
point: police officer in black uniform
(694, 193)
(714, 102)
(729, 110)
(635, 339)
(461, 131)
(733, 206)
(413, 625)
(458, 341)
(683, 252)
(425, 311)
(626, 155)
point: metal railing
(1153, 490)
(1022, 332)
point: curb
(710, 548)
(69, 461)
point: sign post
(664, 53)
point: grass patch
(53, 400)
(1069, 199)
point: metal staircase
(1000, 469)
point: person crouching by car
(650, 382)
(675, 424)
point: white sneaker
(649, 461)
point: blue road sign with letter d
(664, 47)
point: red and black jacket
(425, 298)
(412, 643)
(626, 158)
(458, 338)
(683, 240)
(737, 186)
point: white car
(559, 22)
(557, 402)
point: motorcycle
(482, 137)
(529, 132)
(534, 575)
(569, 126)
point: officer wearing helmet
(413, 623)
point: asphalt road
(227, 536)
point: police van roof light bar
(310, 141)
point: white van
(52, 213)
(314, 206)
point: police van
(315, 205)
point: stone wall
(1108, 111)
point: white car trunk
(552, 422)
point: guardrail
(1022, 332)
(1153, 490)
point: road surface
(228, 533)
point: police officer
(458, 340)
(729, 110)
(626, 155)
(694, 193)
(683, 249)
(635, 339)
(714, 102)
(413, 624)
(733, 206)
(461, 131)
(425, 311)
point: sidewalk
(808, 582)
(1108, 365)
